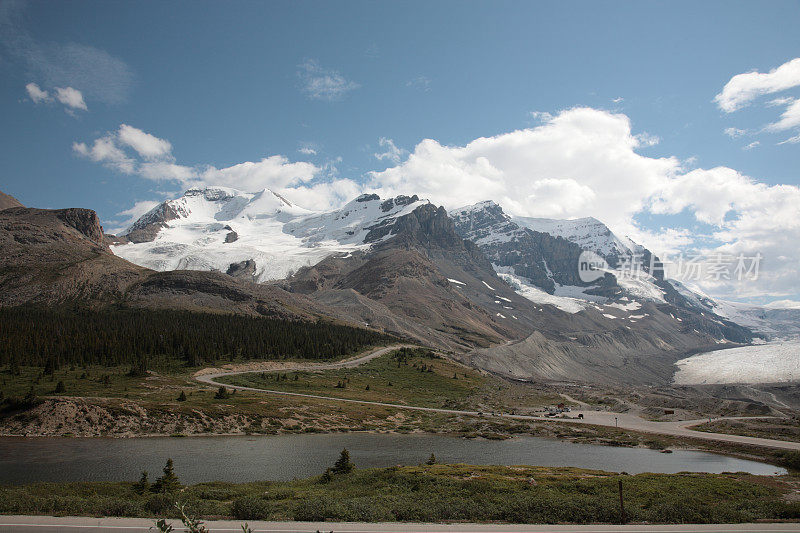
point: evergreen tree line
(52, 338)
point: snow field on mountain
(278, 236)
(537, 295)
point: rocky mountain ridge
(399, 265)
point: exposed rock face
(539, 257)
(243, 270)
(231, 237)
(408, 273)
(85, 221)
(6, 201)
(401, 200)
(147, 227)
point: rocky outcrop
(243, 270)
(85, 221)
(147, 227)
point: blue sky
(323, 82)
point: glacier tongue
(215, 227)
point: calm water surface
(284, 457)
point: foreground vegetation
(432, 492)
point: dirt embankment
(103, 418)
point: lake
(284, 457)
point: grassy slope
(438, 493)
(420, 378)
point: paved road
(601, 418)
(46, 524)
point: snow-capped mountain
(542, 256)
(263, 237)
(261, 234)
(588, 233)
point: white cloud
(618, 100)
(36, 94)
(148, 146)
(323, 195)
(307, 150)
(71, 98)
(789, 119)
(157, 165)
(132, 151)
(105, 150)
(751, 145)
(748, 218)
(274, 172)
(392, 152)
(734, 133)
(744, 88)
(319, 83)
(166, 171)
(791, 140)
(580, 162)
(775, 102)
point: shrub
(222, 394)
(791, 460)
(160, 504)
(252, 508)
(317, 510)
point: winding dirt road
(599, 418)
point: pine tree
(60, 388)
(182, 397)
(143, 485)
(168, 482)
(222, 394)
(431, 460)
(343, 464)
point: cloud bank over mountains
(579, 162)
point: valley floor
(382, 390)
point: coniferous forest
(119, 336)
